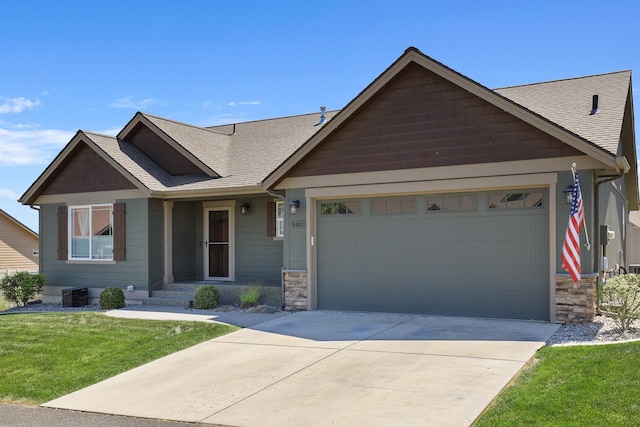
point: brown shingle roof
(567, 103)
(246, 156)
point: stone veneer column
(575, 302)
(296, 296)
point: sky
(90, 65)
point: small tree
(22, 286)
(621, 299)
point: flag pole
(584, 223)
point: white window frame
(71, 209)
(279, 219)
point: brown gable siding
(85, 171)
(422, 120)
(167, 157)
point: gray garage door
(478, 254)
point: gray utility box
(75, 297)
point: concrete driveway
(328, 368)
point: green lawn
(573, 386)
(47, 355)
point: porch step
(169, 301)
(171, 294)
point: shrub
(206, 297)
(249, 296)
(112, 298)
(22, 286)
(621, 299)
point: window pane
(378, 207)
(80, 232)
(355, 208)
(451, 203)
(408, 205)
(497, 201)
(533, 200)
(326, 208)
(468, 203)
(435, 203)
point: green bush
(620, 299)
(206, 297)
(249, 296)
(21, 286)
(111, 298)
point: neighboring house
(18, 246)
(428, 193)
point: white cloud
(17, 105)
(10, 194)
(31, 146)
(235, 104)
(129, 102)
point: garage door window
(512, 200)
(455, 203)
(341, 208)
(398, 205)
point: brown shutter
(119, 232)
(63, 235)
(271, 219)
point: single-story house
(18, 246)
(427, 193)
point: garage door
(479, 254)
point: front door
(219, 244)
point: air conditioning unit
(75, 297)
(634, 268)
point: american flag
(571, 246)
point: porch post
(168, 241)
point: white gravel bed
(601, 331)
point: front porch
(181, 294)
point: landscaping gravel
(602, 330)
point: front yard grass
(47, 355)
(573, 386)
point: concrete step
(168, 302)
(165, 293)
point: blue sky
(90, 65)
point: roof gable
(419, 119)
(178, 147)
(414, 56)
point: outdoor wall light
(568, 194)
(244, 209)
(293, 207)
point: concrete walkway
(328, 368)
